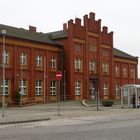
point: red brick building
(32, 60)
(91, 61)
(85, 53)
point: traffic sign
(59, 75)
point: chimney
(32, 28)
(65, 26)
(92, 15)
(105, 29)
(78, 21)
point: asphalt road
(113, 130)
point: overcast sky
(121, 16)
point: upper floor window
(78, 64)
(53, 62)
(92, 65)
(132, 72)
(23, 59)
(125, 72)
(77, 88)
(116, 70)
(77, 47)
(38, 87)
(6, 87)
(105, 52)
(39, 61)
(53, 88)
(23, 87)
(92, 47)
(105, 67)
(105, 88)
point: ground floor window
(38, 87)
(105, 88)
(53, 88)
(23, 87)
(117, 89)
(6, 87)
(78, 88)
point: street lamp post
(3, 74)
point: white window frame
(39, 61)
(78, 88)
(105, 88)
(124, 71)
(132, 72)
(23, 86)
(78, 64)
(92, 47)
(92, 65)
(6, 87)
(23, 59)
(105, 67)
(53, 62)
(116, 70)
(38, 87)
(53, 88)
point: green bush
(107, 102)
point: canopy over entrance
(130, 95)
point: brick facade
(77, 44)
(86, 56)
(30, 72)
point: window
(105, 52)
(53, 62)
(125, 72)
(77, 47)
(116, 70)
(77, 88)
(23, 86)
(6, 87)
(39, 61)
(132, 72)
(23, 59)
(105, 68)
(117, 88)
(53, 88)
(105, 88)
(92, 65)
(78, 64)
(38, 87)
(92, 47)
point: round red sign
(59, 75)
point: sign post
(58, 77)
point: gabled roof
(26, 34)
(120, 53)
(48, 38)
(58, 34)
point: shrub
(18, 96)
(107, 102)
